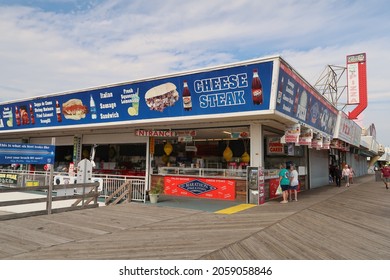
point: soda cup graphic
(17, 116)
(136, 103)
(134, 109)
(10, 121)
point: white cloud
(44, 51)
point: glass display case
(214, 172)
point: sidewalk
(329, 223)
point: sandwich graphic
(162, 96)
(74, 109)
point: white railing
(47, 204)
(23, 178)
(111, 183)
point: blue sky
(51, 46)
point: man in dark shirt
(337, 175)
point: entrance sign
(155, 133)
(21, 153)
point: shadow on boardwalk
(326, 223)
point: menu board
(298, 100)
(222, 91)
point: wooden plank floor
(326, 223)
(353, 225)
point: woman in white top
(351, 174)
(293, 182)
(346, 172)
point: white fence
(111, 183)
(22, 178)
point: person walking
(385, 174)
(331, 174)
(284, 182)
(351, 174)
(345, 173)
(293, 183)
(337, 174)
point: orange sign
(274, 146)
(151, 145)
(200, 187)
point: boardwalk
(326, 223)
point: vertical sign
(76, 149)
(260, 182)
(357, 83)
(353, 83)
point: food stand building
(197, 131)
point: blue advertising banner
(235, 89)
(21, 153)
(297, 100)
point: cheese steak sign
(200, 187)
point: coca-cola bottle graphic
(32, 117)
(24, 115)
(296, 102)
(280, 91)
(187, 102)
(257, 89)
(58, 111)
(17, 115)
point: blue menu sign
(221, 91)
(22, 153)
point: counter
(124, 172)
(213, 183)
(222, 188)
